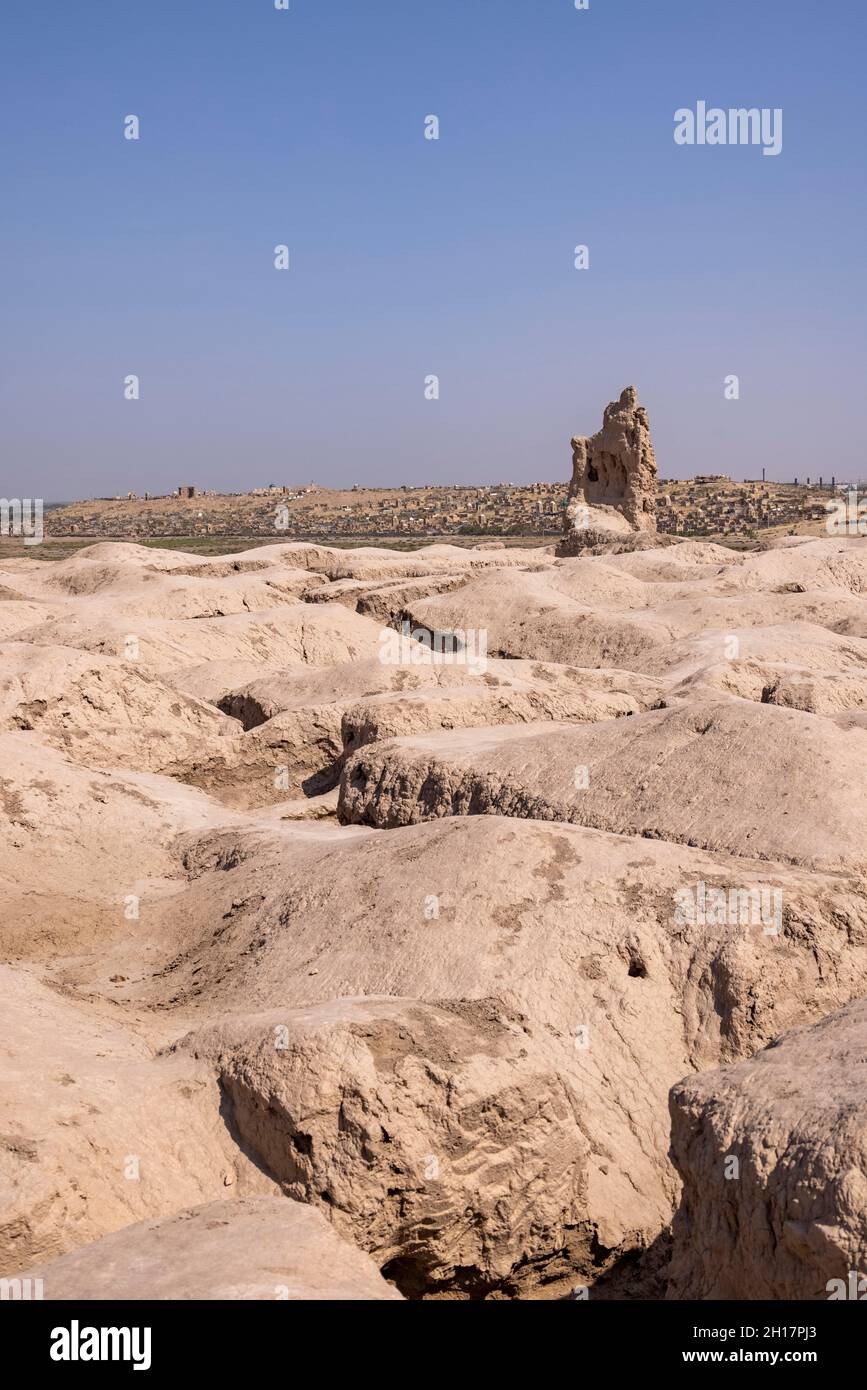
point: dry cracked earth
(335, 970)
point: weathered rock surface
(104, 712)
(246, 1248)
(830, 694)
(677, 774)
(439, 1137)
(383, 599)
(773, 1156)
(261, 907)
(350, 684)
(302, 723)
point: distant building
(186, 491)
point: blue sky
(411, 257)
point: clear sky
(411, 257)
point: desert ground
(339, 966)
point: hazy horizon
(411, 257)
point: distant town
(712, 505)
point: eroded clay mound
(697, 774)
(356, 682)
(305, 723)
(80, 846)
(104, 712)
(584, 940)
(628, 610)
(289, 635)
(438, 1137)
(247, 1248)
(773, 1156)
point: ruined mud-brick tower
(613, 470)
